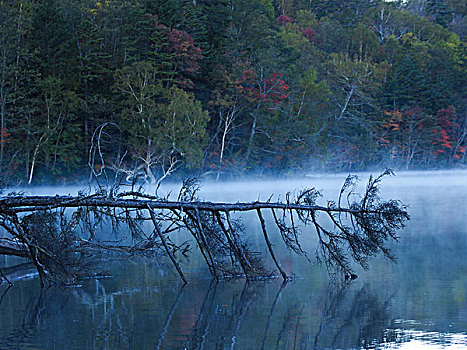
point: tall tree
(164, 126)
(13, 26)
(52, 42)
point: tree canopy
(229, 86)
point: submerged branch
(167, 249)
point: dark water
(420, 302)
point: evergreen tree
(52, 43)
(439, 9)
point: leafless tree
(60, 243)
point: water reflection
(421, 301)
(162, 314)
(27, 321)
(209, 315)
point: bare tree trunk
(3, 97)
(252, 135)
(147, 162)
(2, 128)
(228, 121)
(34, 156)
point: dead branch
(37, 228)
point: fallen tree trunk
(33, 203)
(55, 241)
(9, 247)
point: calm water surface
(420, 302)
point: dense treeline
(148, 87)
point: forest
(147, 89)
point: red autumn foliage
(446, 134)
(271, 90)
(461, 150)
(276, 88)
(414, 117)
(412, 125)
(4, 137)
(401, 130)
(394, 118)
(186, 52)
(283, 19)
(181, 45)
(447, 119)
(310, 34)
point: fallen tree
(58, 233)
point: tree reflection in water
(204, 315)
(352, 317)
(349, 317)
(214, 315)
(28, 321)
(218, 324)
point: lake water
(420, 302)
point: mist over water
(419, 302)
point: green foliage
(270, 84)
(52, 44)
(160, 122)
(184, 125)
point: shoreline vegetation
(155, 89)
